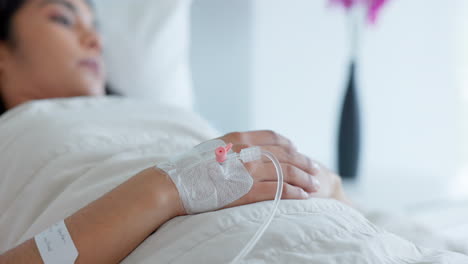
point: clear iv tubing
(279, 190)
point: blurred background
(283, 65)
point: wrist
(164, 192)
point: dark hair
(8, 9)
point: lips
(92, 65)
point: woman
(50, 49)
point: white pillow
(146, 48)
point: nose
(92, 40)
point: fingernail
(305, 194)
(316, 183)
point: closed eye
(69, 7)
(62, 19)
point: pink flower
(373, 6)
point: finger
(292, 175)
(266, 191)
(268, 137)
(293, 158)
(260, 138)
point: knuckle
(287, 143)
(235, 136)
(289, 150)
(289, 170)
(291, 145)
(272, 133)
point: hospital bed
(313, 231)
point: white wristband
(56, 245)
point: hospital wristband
(56, 245)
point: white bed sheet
(440, 224)
(427, 215)
(62, 154)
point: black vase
(349, 129)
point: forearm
(108, 229)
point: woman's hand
(303, 177)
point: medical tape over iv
(204, 183)
(211, 176)
(56, 245)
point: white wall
(221, 62)
(460, 186)
(409, 82)
(299, 69)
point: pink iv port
(221, 153)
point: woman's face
(55, 52)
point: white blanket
(59, 155)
